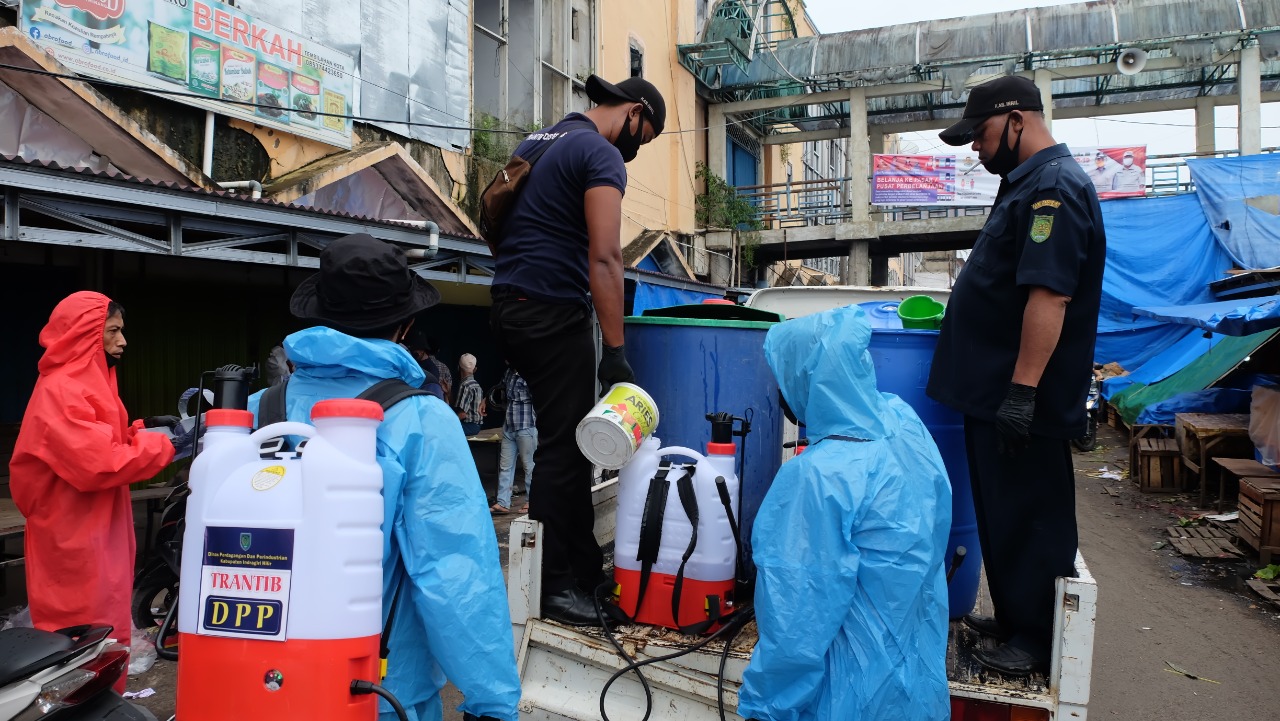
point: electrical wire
(246, 103)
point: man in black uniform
(558, 259)
(1014, 356)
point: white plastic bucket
(610, 434)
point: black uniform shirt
(1045, 229)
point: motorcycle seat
(23, 651)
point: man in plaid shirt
(470, 405)
(519, 432)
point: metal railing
(798, 203)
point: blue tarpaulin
(1241, 200)
(1192, 345)
(1160, 252)
(652, 295)
(1228, 317)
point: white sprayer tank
(711, 569)
(280, 603)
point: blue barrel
(694, 366)
(902, 359)
(882, 313)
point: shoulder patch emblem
(1041, 227)
(1047, 204)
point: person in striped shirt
(519, 433)
(470, 403)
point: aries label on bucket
(610, 434)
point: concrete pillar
(1042, 80)
(860, 262)
(859, 157)
(717, 141)
(876, 136)
(879, 270)
(1205, 125)
(1250, 82)
(721, 269)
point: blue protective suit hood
(851, 598)
(827, 377)
(452, 621)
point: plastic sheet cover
(1201, 373)
(1160, 252)
(849, 542)
(1241, 199)
(1228, 317)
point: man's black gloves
(1013, 419)
(614, 367)
(161, 421)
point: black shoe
(987, 626)
(571, 607)
(1009, 660)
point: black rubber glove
(614, 367)
(1013, 419)
(161, 421)
(472, 717)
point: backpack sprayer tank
(676, 543)
(281, 589)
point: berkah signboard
(210, 50)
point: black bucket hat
(994, 97)
(633, 90)
(363, 284)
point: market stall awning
(1211, 367)
(1228, 317)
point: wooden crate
(1113, 417)
(1136, 434)
(1159, 465)
(1259, 506)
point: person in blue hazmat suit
(451, 620)
(851, 596)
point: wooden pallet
(1269, 590)
(1203, 542)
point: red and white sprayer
(676, 547)
(281, 589)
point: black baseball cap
(1012, 92)
(634, 90)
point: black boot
(571, 607)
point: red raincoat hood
(72, 339)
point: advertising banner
(1116, 172)
(959, 179)
(210, 50)
(952, 179)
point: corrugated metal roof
(896, 51)
(118, 177)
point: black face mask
(628, 143)
(1005, 159)
(112, 361)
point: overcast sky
(1167, 132)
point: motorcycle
(1093, 413)
(65, 675)
(155, 585)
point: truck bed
(563, 669)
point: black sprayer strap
(650, 543)
(723, 489)
(689, 500)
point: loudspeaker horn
(1131, 61)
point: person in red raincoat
(75, 457)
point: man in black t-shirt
(558, 258)
(1015, 355)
